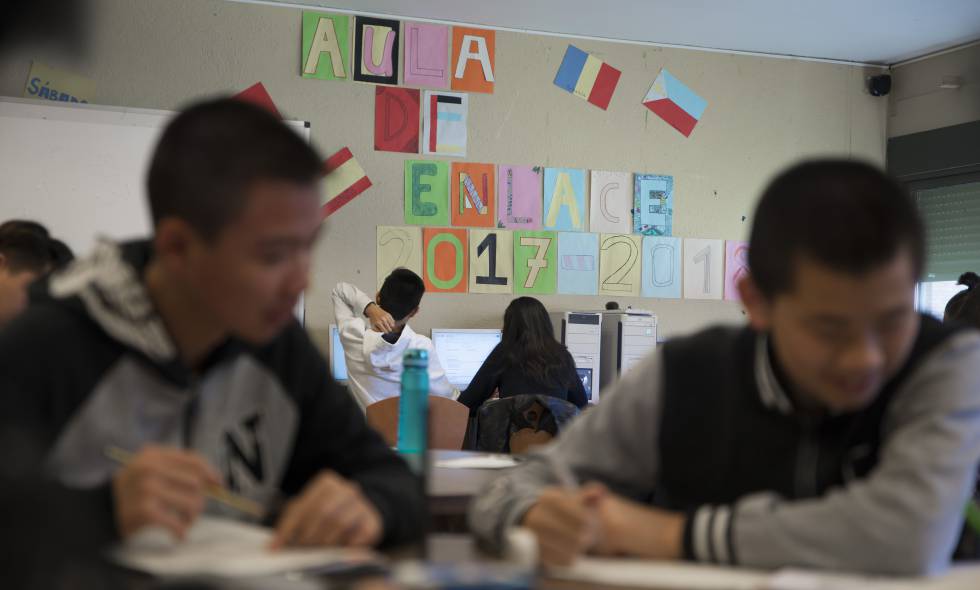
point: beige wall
(762, 114)
(919, 104)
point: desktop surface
(462, 352)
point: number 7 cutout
(535, 254)
(703, 268)
(444, 255)
(661, 267)
(398, 247)
(619, 264)
(471, 197)
(491, 261)
(736, 267)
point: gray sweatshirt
(902, 517)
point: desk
(450, 489)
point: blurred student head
(401, 294)
(964, 307)
(25, 255)
(236, 210)
(835, 252)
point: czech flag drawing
(587, 76)
(675, 103)
(344, 179)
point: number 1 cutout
(491, 261)
(703, 272)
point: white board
(80, 169)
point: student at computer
(528, 360)
(839, 429)
(375, 335)
(183, 350)
(26, 253)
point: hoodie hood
(108, 286)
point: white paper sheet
(478, 462)
(659, 574)
(226, 548)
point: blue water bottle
(413, 409)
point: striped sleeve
(708, 535)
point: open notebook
(227, 548)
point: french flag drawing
(675, 103)
(587, 76)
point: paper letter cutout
(396, 120)
(325, 45)
(398, 247)
(376, 50)
(491, 261)
(578, 263)
(426, 192)
(444, 123)
(587, 77)
(519, 197)
(662, 276)
(534, 262)
(619, 264)
(472, 195)
(736, 267)
(426, 55)
(704, 276)
(445, 258)
(473, 59)
(344, 179)
(564, 199)
(675, 103)
(611, 202)
(653, 205)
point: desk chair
(447, 421)
(518, 423)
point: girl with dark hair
(964, 307)
(528, 360)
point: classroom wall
(762, 114)
(919, 104)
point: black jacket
(90, 365)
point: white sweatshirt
(374, 365)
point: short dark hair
(210, 155)
(846, 215)
(25, 250)
(26, 225)
(964, 307)
(401, 293)
(61, 255)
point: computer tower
(628, 336)
(581, 333)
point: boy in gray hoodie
(839, 429)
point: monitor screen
(462, 352)
(586, 376)
(338, 364)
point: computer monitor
(338, 364)
(462, 352)
(585, 374)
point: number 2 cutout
(616, 280)
(404, 245)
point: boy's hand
(381, 320)
(330, 511)
(565, 522)
(161, 486)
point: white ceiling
(866, 31)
